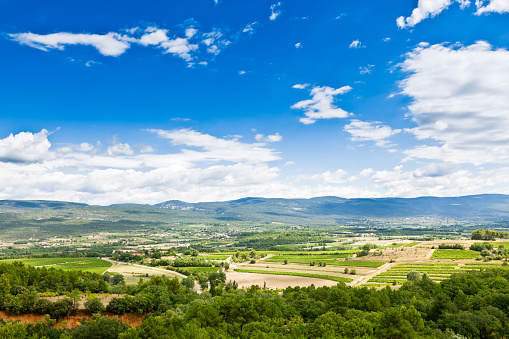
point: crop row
(454, 254)
(309, 275)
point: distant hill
(485, 207)
(33, 205)
(474, 207)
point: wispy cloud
(275, 11)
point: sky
(106, 102)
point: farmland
(83, 264)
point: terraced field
(454, 254)
(436, 272)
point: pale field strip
(329, 270)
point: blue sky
(205, 100)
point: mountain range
(485, 207)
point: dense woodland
(472, 305)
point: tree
(94, 305)
(99, 327)
(413, 276)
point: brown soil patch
(74, 320)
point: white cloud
(494, 6)
(370, 131)
(321, 105)
(298, 45)
(387, 39)
(366, 69)
(460, 101)
(336, 177)
(180, 47)
(430, 180)
(146, 149)
(217, 149)
(355, 44)
(116, 44)
(426, 9)
(269, 138)
(300, 86)
(362, 174)
(154, 37)
(85, 147)
(25, 147)
(250, 28)
(242, 72)
(275, 11)
(108, 44)
(119, 149)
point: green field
(200, 269)
(309, 275)
(307, 261)
(282, 257)
(45, 261)
(454, 254)
(68, 264)
(436, 272)
(214, 257)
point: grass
(309, 275)
(454, 254)
(214, 257)
(201, 269)
(93, 265)
(68, 264)
(498, 243)
(45, 261)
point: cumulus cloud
(460, 101)
(269, 138)
(430, 180)
(336, 177)
(25, 147)
(119, 149)
(355, 44)
(321, 105)
(370, 131)
(426, 9)
(430, 8)
(275, 11)
(362, 174)
(85, 147)
(298, 45)
(492, 6)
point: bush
(346, 270)
(100, 327)
(353, 272)
(413, 276)
(94, 305)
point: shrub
(94, 305)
